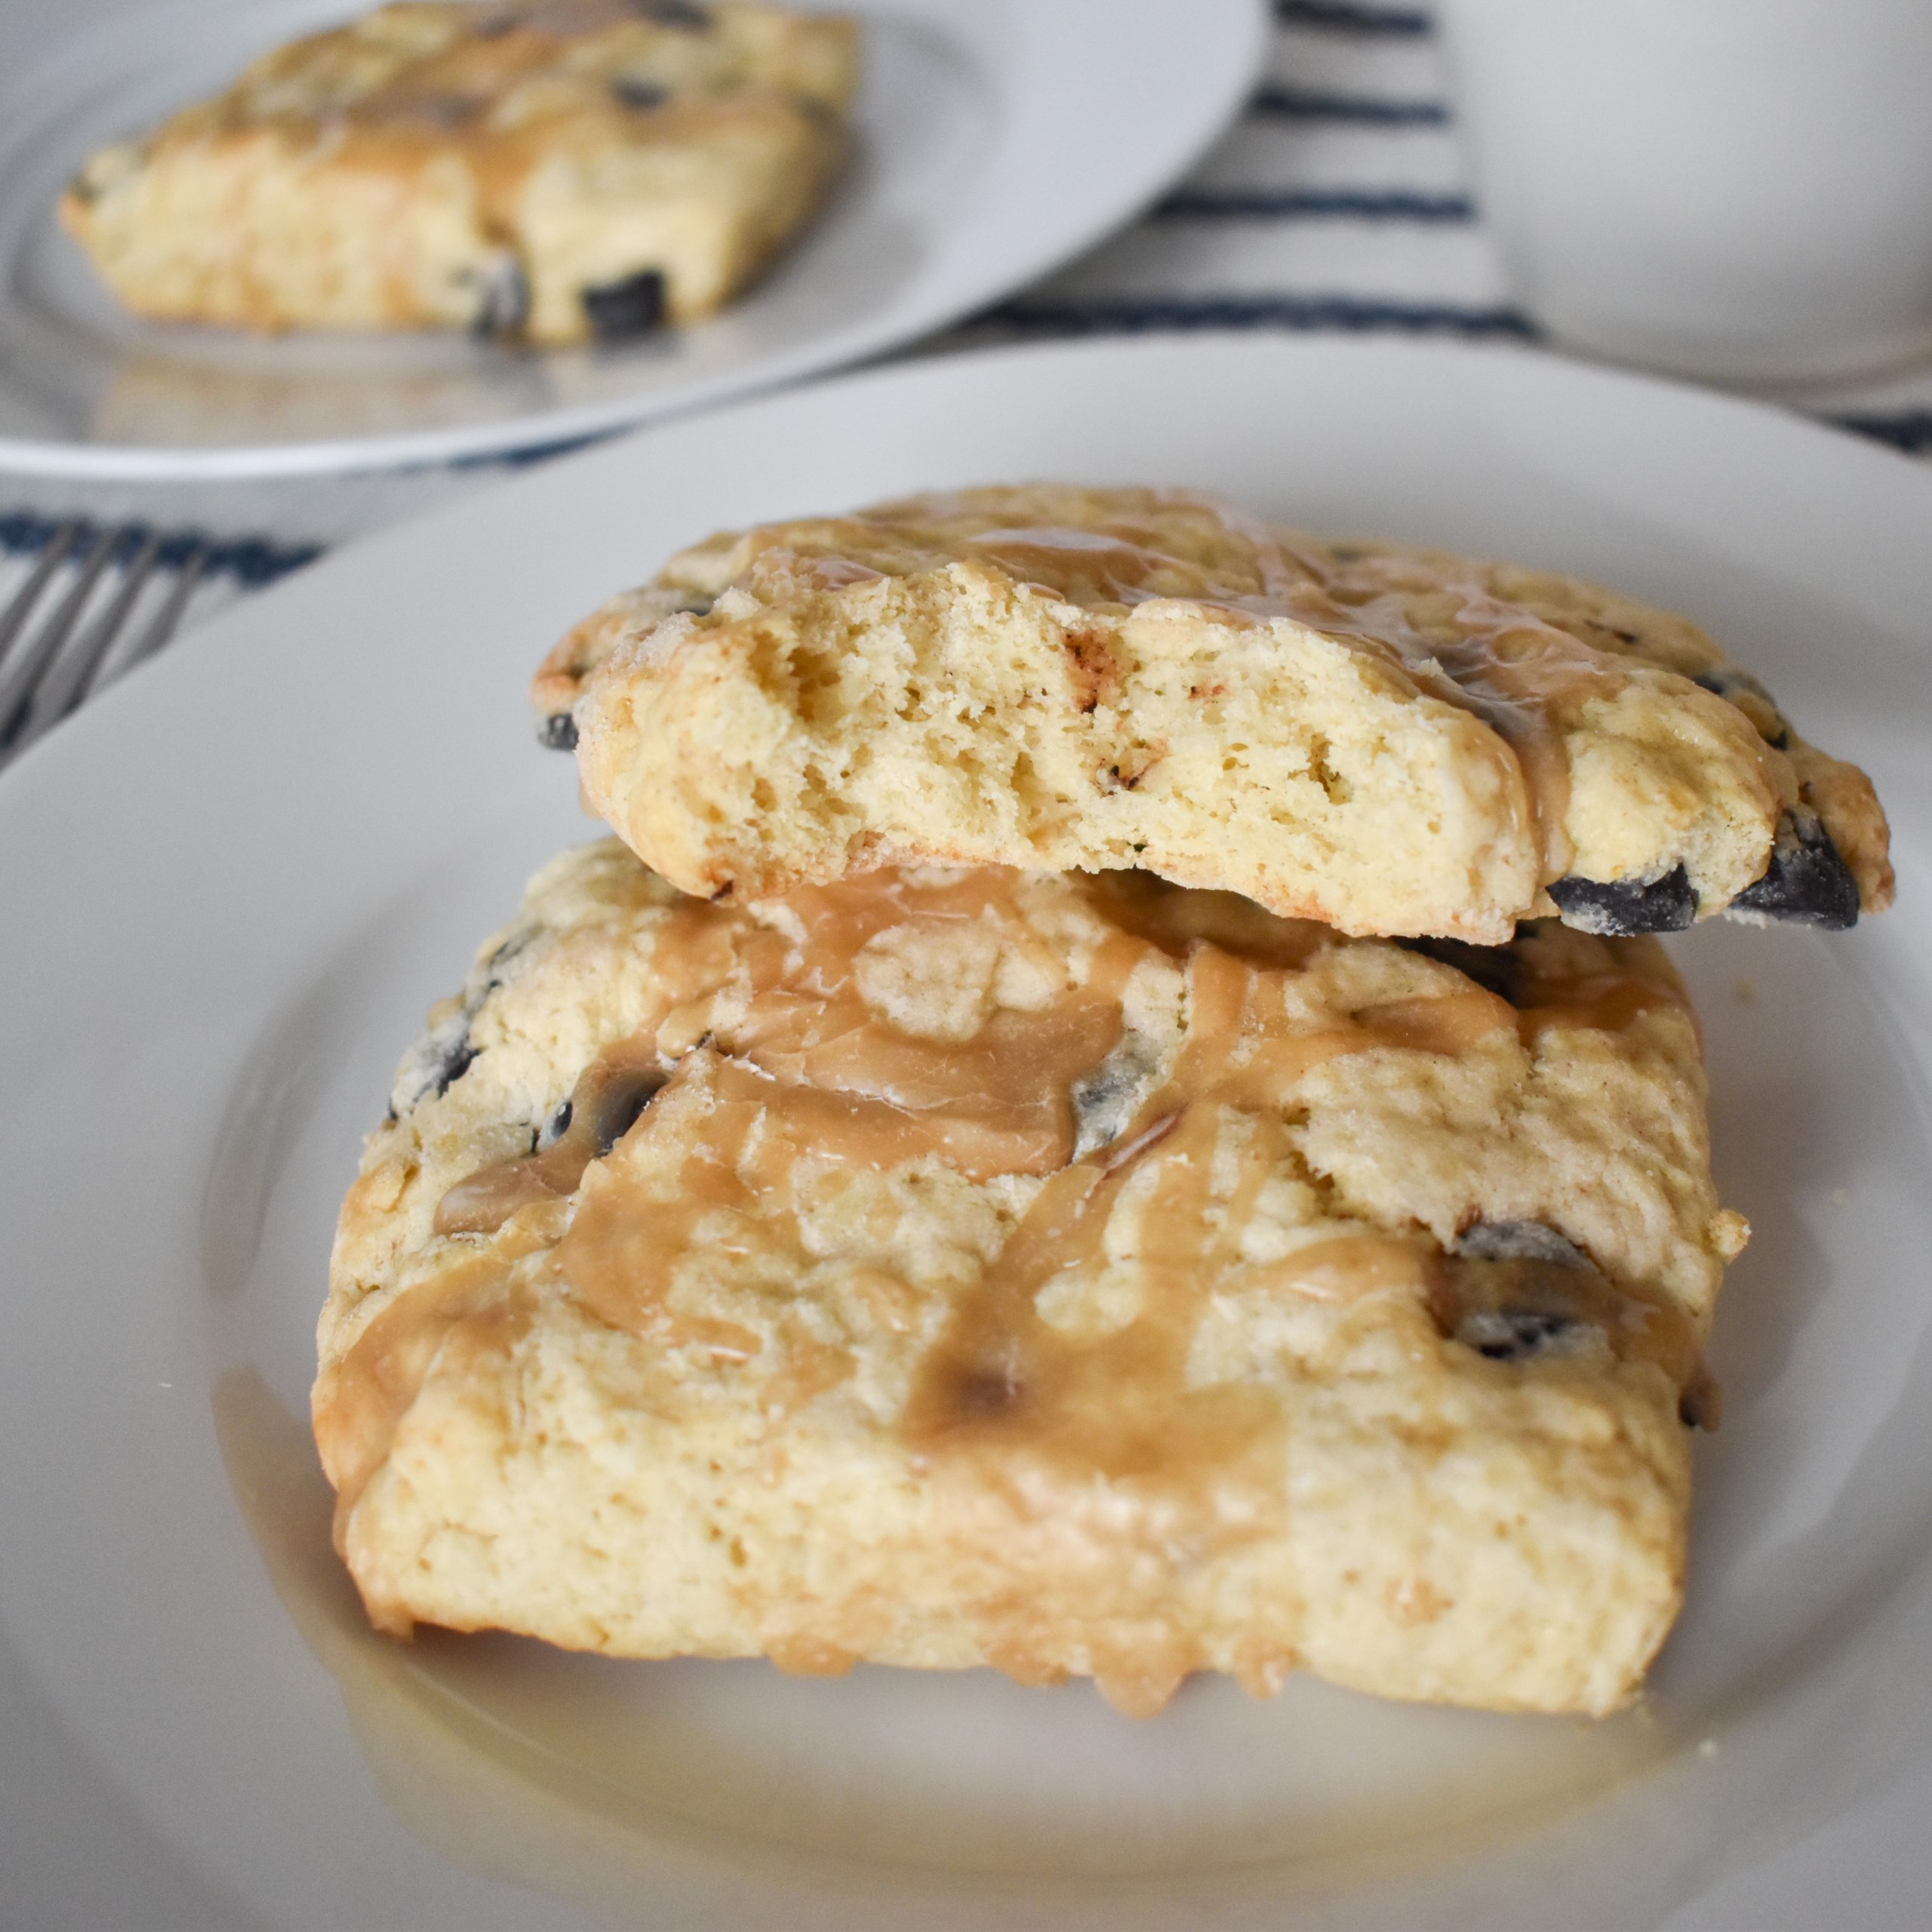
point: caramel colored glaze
(1200, 1467)
(1173, 918)
(393, 133)
(1607, 1004)
(1091, 567)
(1003, 1394)
(836, 573)
(806, 1656)
(1011, 1406)
(802, 1071)
(999, 1103)
(1643, 980)
(620, 1256)
(566, 18)
(1495, 660)
(450, 100)
(483, 1201)
(359, 1407)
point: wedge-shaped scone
(554, 170)
(1392, 742)
(1071, 1276)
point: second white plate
(995, 139)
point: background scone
(1390, 741)
(555, 170)
(1073, 1276)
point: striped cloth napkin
(1338, 201)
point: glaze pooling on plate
(1080, 1276)
(1392, 741)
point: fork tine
(24, 664)
(60, 541)
(132, 647)
(64, 678)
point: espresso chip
(1617, 909)
(617, 311)
(1808, 882)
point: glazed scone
(546, 170)
(1074, 1275)
(1391, 742)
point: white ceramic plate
(234, 884)
(995, 139)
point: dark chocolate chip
(560, 1124)
(1520, 1241)
(619, 310)
(444, 1055)
(1106, 1098)
(632, 92)
(1808, 882)
(437, 1060)
(456, 1067)
(1699, 1405)
(519, 941)
(1614, 908)
(442, 1058)
(558, 732)
(675, 13)
(1740, 688)
(1494, 968)
(1519, 1334)
(619, 1103)
(502, 302)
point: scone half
(549, 171)
(1391, 742)
(1076, 1277)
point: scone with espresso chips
(1393, 742)
(543, 171)
(1071, 1274)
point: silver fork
(50, 667)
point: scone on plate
(1388, 740)
(547, 170)
(1070, 1274)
